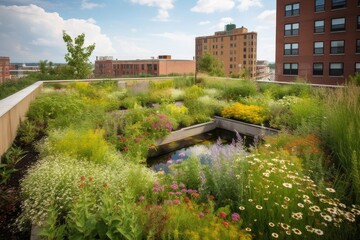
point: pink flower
(174, 186)
(141, 198)
(235, 217)
(170, 161)
(170, 202)
(176, 202)
(182, 154)
(178, 193)
(181, 185)
(156, 184)
(171, 193)
(201, 214)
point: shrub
(161, 84)
(193, 92)
(184, 81)
(251, 114)
(57, 110)
(80, 144)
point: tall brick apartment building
(163, 65)
(4, 69)
(235, 47)
(318, 40)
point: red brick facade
(4, 69)
(164, 65)
(317, 40)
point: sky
(31, 30)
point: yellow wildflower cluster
(247, 113)
(176, 110)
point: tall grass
(231, 89)
(341, 134)
(11, 87)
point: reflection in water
(203, 150)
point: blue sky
(31, 30)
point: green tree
(78, 56)
(211, 65)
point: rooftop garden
(90, 179)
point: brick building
(163, 65)
(235, 47)
(4, 69)
(318, 40)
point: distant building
(163, 65)
(235, 47)
(22, 70)
(262, 69)
(4, 69)
(317, 40)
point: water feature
(198, 145)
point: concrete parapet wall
(12, 111)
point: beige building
(235, 47)
(4, 69)
(163, 65)
(262, 69)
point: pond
(198, 145)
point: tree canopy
(211, 65)
(77, 56)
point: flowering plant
(247, 113)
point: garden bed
(92, 162)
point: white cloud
(210, 6)
(221, 24)
(85, 4)
(244, 5)
(129, 48)
(204, 23)
(268, 16)
(163, 7)
(30, 34)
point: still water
(198, 146)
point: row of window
(319, 6)
(336, 47)
(232, 38)
(335, 69)
(337, 24)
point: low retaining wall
(12, 111)
(219, 122)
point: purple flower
(176, 202)
(190, 191)
(235, 217)
(182, 154)
(156, 189)
(174, 186)
(178, 161)
(178, 193)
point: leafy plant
(251, 114)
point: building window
(291, 49)
(358, 46)
(318, 47)
(357, 67)
(319, 26)
(292, 9)
(337, 24)
(155, 67)
(335, 4)
(292, 29)
(319, 5)
(231, 59)
(358, 22)
(336, 69)
(337, 47)
(290, 69)
(318, 69)
(244, 56)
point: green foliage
(81, 144)
(56, 110)
(161, 84)
(232, 89)
(355, 80)
(193, 92)
(184, 81)
(77, 56)
(10, 87)
(341, 134)
(278, 91)
(211, 65)
(27, 132)
(8, 163)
